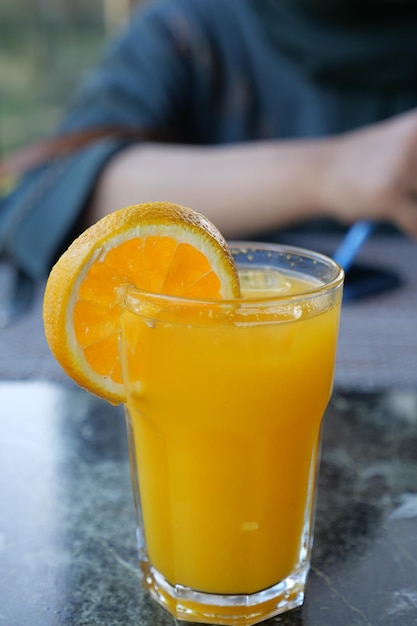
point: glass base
(188, 605)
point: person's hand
(372, 174)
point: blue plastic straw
(352, 242)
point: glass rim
(297, 251)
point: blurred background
(46, 48)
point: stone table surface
(67, 540)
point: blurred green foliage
(46, 48)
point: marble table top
(67, 539)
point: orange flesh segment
(137, 262)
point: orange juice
(225, 404)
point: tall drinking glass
(224, 407)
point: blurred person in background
(261, 114)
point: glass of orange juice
(225, 401)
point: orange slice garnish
(158, 247)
